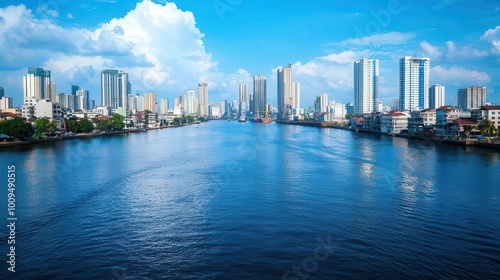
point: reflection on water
(229, 201)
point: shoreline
(81, 136)
(465, 143)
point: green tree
(17, 128)
(117, 122)
(487, 128)
(104, 125)
(71, 124)
(84, 125)
(42, 126)
(202, 119)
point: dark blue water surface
(229, 200)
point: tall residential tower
(285, 90)
(259, 95)
(413, 83)
(366, 80)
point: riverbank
(468, 142)
(81, 136)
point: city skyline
(120, 36)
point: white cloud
(158, 45)
(46, 10)
(431, 51)
(390, 38)
(493, 37)
(70, 16)
(458, 76)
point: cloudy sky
(168, 47)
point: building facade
(436, 96)
(259, 95)
(115, 89)
(203, 99)
(285, 90)
(366, 85)
(413, 83)
(37, 84)
(471, 97)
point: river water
(229, 200)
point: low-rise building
(491, 113)
(445, 115)
(394, 122)
(422, 123)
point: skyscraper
(115, 89)
(191, 104)
(436, 96)
(203, 98)
(150, 102)
(471, 97)
(413, 83)
(2, 92)
(259, 95)
(82, 99)
(296, 96)
(285, 90)
(163, 106)
(366, 80)
(36, 84)
(243, 101)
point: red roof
(8, 114)
(490, 107)
(463, 122)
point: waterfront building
(115, 89)
(150, 102)
(445, 115)
(191, 103)
(203, 99)
(139, 101)
(37, 84)
(285, 91)
(487, 112)
(366, 86)
(393, 122)
(296, 98)
(349, 108)
(436, 96)
(5, 103)
(243, 99)
(413, 83)
(102, 110)
(471, 97)
(82, 99)
(422, 122)
(321, 104)
(164, 106)
(259, 95)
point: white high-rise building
(139, 102)
(115, 89)
(296, 97)
(191, 108)
(203, 99)
(243, 99)
(436, 96)
(471, 97)
(285, 90)
(366, 85)
(413, 83)
(163, 106)
(36, 84)
(259, 96)
(321, 104)
(82, 99)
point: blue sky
(168, 47)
